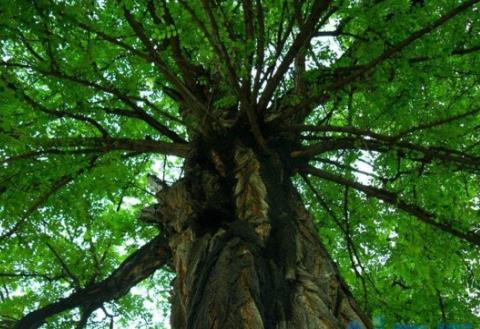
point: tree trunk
(246, 252)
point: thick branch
(119, 144)
(395, 200)
(137, 267)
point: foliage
(97, 95)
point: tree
(242, 146)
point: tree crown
(373, 106)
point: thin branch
(159, 63)
(43, 198)
(248, 18)
(27, 275)
(117, 144)
(141, 114)
(260, 56)
(47, 151)
(340, 129)
(221, 50)
(60, 183)
(64, 266)
(350, 168)
(279, 44)
(29, 46)
(188, 70)
(395, 200)
(346, 217)
(456, 52)
(388, 53)
(352, 250)
(364, 132)
(58, 113)
(441, 304)
(307, 31)
(403, 44)
(437, 123)
(86, 145)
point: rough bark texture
(245, 250)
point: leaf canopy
(382, 98)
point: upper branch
(397, 136)
(126, 99)
(307, 31)
(188, 70)
(58, 113)
(404, 43)
(260, 56)
(221, 50)
(361, 70)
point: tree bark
(245, 250)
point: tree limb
(59, 113)
(159, 63)
(221, 50)
(306, 33)
(75, 145)
(388, 53)
(117, 144)
(140, 113)
(404, 43)
(364, 132)
(386, 144)
(395, 200)
(137, 267)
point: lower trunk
(247, 254)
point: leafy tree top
(372, 105)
